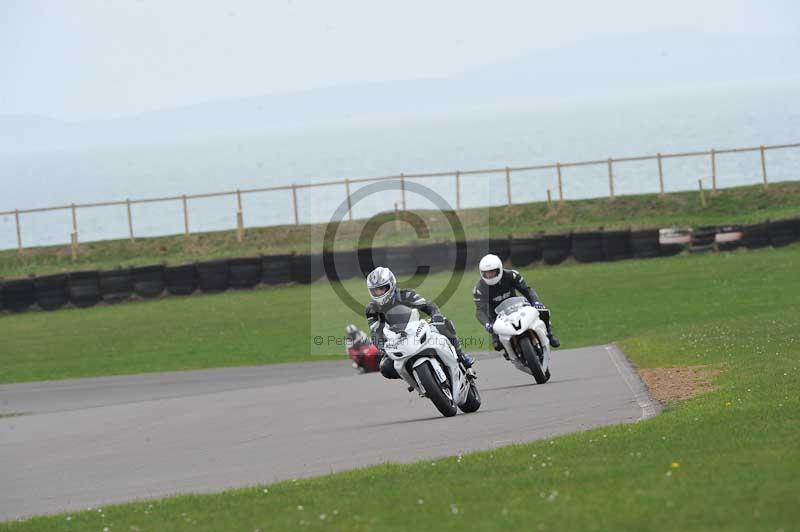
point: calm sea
(664, 121)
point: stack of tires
(783, 232)
(588, 246)
(401, 260)
(728, 237)
(84, 289)
(245, 272)
(182, 280)
(673, 241)
(215, 276)
(52, 291)
(617, 245)
(556, 248)
(525, 251)
(703, 239)
(276, 269)
(148, 281)
(433, 258)
(116, 285)
(644, 243)
(18, 294)
(755, 236)
(306, 269)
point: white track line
(649, 406)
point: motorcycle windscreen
(510, 305)
(397, 317)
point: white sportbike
(524, 337)
(427, 361)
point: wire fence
(457, 175)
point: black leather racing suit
(409, 298)
(487, 297)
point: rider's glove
(437, 319)
(489, 327)
(539, 306)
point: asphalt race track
(90, 442)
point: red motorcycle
(364, 357)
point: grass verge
(735, 205)
(727, 460)
(591, 304)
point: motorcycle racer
(495, 286)
(385, 294)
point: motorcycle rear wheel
(532, 360)
(434, 392)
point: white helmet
(381, 284)
(491, 268)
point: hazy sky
(86, 59)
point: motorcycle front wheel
(473, 402)
(440, 396)
(532, 360)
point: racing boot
(463, 357)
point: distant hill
(589, 68)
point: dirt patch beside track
(678, 383)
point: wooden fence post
(660, 174)
(294, 204)
(560, 184)
(19, 230)
(239, 217)
(458, 190)
(549, 199)
(185, 218)
(713, 171)
(508, 185)
(130, 218)
(702, 194)
(610, 179)
(403, 190)
(764, 168)
(74, 235)
(349, 202)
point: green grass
(591, 304)
(735, 205)
(736, 448)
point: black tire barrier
(500, 247)
(476, 250)
(644, 243)
(556, 248)
(18, 294)
(276, 269)
(1, 297)
(673, 242)
(401, 260)
(728, 237)
(307, 268)
(525, 251)
(369, 259)
(215, 276)
(783, 232)
(182, 280)
(617, 245)
(51, 291)
(588, 246)
(148, 281)
(755, 236)
(116, 285)
(703, 239)
(246, 272)
(341, 265)
(434, 257)
(84, 289)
